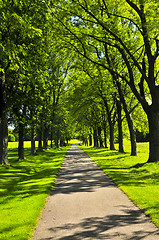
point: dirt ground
(86, 204)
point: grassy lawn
(138, 179)
(23, 189)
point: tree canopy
(93, 64)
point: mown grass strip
(137, 178)
(23, 190)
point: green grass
(23, 189)
(137, 178)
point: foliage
(11, 138)
(86, 47)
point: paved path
(85, 204)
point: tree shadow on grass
(138, 165)
(87, 175)
(23, 178)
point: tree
(132, 29)
(20, 29)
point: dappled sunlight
(112, 226)
(132, 174)
(23, 189)
(88, 204)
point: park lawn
(137, 178)
(24, 187)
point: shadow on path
(80, 174)
(86, 204)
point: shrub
(11, 138)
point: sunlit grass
(27, 144)
(23, 189)
(137, 178)
(72, 141)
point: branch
(114, 98)
(134, 6)
(89, 44)
(157, 49)
(131, 110)
(129, 19)
(106, 7)
(156, 75)
(71, 33)
(141, 14)
(141, 83)
(116, 38)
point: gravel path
(85, 204)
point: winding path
(85, 204)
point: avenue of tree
(81, 68)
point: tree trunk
(32, 141)
(57, 143)
(61, 142)
(21, 141)
(132, 135)
(95, 137)
(105, 136)
(3, 137)
(45, 137)
(100, 137)
(129, 121)
(51, 139)
(3, 123)
(111, 127)
(120, 130)
(86, 142)
(153, 119)
(90, 139)
(40, 148)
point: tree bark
(86, 142)
(40, 148)
(111, 127)
(95, 137)
(100, 137)
(21, 141)
(153, 119)
(57, 143)
(129, 121)
(61, 143)
(120, 130)
(3, 122)
(32, 141)
(105, 136)
(4, 137)
(51, 139)
(45, 137)
(90, 139)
